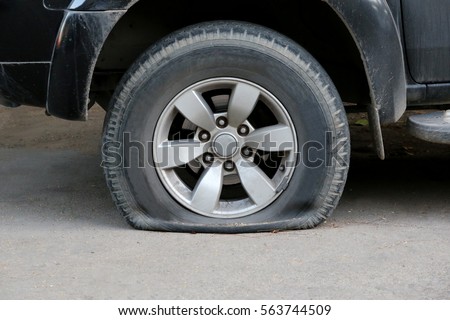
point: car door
(427, 39)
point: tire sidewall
(301, 86)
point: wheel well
(312, 24)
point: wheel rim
(225, 148)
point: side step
(432, 127)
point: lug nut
(246, 152)
(282, 168)
(208, 158)
(222, 122)
(204, 136)
(243, 130)
(228, 165)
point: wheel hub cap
(225, 145)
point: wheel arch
(375, 32)
(82, 34)
(319, 33)
(362, 72)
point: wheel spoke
(255, 182)
(242, 102)
(206, 194)
(272, 138)
(217, 148)
(171, 154)
(192, 105)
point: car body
(382, 55)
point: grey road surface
(62, 238)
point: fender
(83, 31)
(374, 30)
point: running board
(432, 127)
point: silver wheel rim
(225, 148)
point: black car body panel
(26, 48)
(427, 39)
(78, 45)
(28, 31)
(49, 57)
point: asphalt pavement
(62, 238)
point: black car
(230, 116)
